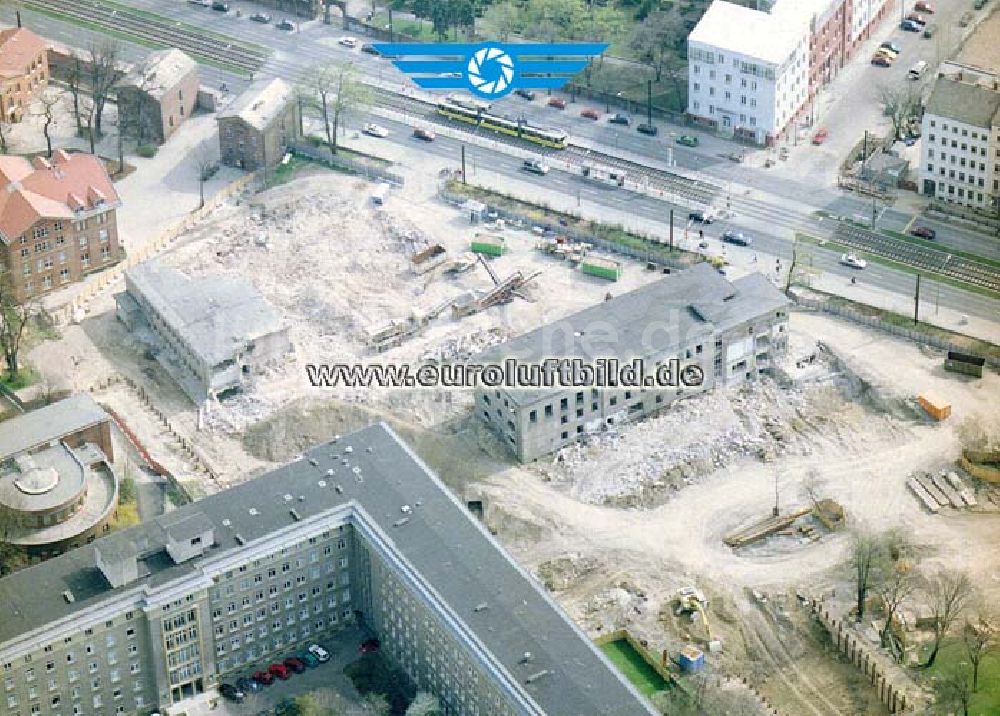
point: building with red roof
(24, 71)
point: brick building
(24, 71)
(158, 95)
(57, 221)
(258, 127)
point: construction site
(706, 532)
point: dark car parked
(295, 664)
(736, 237)
(246, 685)
(370, 49)
(924, 232)
(230, 692)
(648, 129)
(264, 678)
(525, 94)
(220, 7)
(700, 216)
(620, 118)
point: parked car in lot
(924, 6)
(423, 134)
(525, 94)
(590, 113)
(247, 685)
(369, 646)
(294, 664)
(737, 237)
(535, 166)
(264, 678)
(649, 130)
(881, 61)
(348, 42)
(687, 140)
(853, 260)
(557, 102)
(821, 134)
(370, 49)
(924, 232)
(919, 19)
(910, 26)
(279, 671)
(285, 25)
(930, 30)
(230, 692)
(220, 7)
(260, 17)
(375, 130)
(201, 3)
(700, 216)
(308, 659)
(891, 46)
(619, 118)
(319, 652)
(885, 51)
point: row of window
(961, 175)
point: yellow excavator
(690, 600)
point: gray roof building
(261, 103)
(31, 430)
(160, 72)
(973, 104)
(491, 606)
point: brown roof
(18, 47)
(51, 190)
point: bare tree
(74, 84)
(947, 592)
(980, 637)
(335, 90)
(899, 103)
(47, 103)
(14, 317)
(206, 161)
(866, 554)
(894, 589)
(102, 75)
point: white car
(348, 42)
(853, 261)
(321, 654)
(376, 130)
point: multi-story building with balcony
(357, 531)
(731, 331)
(24, 71)
(57, 221)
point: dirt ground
(613, 527)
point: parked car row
(310, 658)
(261, 17)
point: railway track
(920, 257)
(156, 30)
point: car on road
(557, 102)
(279, 671)
(821, 134)
(590, 113)
(853, 261)
(200, 3)
(525, 94)
(285, 706)
(910, 26)
(919, 19)
(264, 678)
(687, 140)
(736, 237)
(891, 46)
(649, 130)
(619, 118)
(260, 17)
(924, 6)
(891, 54)
(881, 61)
(375, 130)
(308, 659)
(230, 692)
(369, 646)
(351, 42)
(700, 216)
(220, 6)
(319, 652)
(702, 244)
(369, 48)
(923, 232)
(295, 664)
(535, 166)
(423, 134)
(285, 25)
(247, 685)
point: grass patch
(416, 29)
(613, 233)
(22, 379)
(986, 701)
(917, 241)
(126, 515)
(294, 168)
(375, 674)
(634, 667)
(940, 278)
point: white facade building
(748, 70)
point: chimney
(40, 163)
(18, 13)
(60, 156)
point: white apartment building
(748, 71)
(961, 141)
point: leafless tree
(947, 592)
(205, 160)
(981, 636)
(103, 73)
(896, 586)
(866, 554)
(14, 317)
(899, 103)
(47, 104)
(334, 89)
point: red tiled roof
(18, 47)
(71, 182)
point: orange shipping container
(935, 406)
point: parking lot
(343, 648)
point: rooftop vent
(339, 489)
(313, 461)
(526, 657)
(295, 515)
(335, 438)
(227, 522)
(537, 675)
(369, 449)
(321, 483)
(68, 596)
(239, 539)
(253, 511)
(348, 449)
(481, 607)
(329, 473)
(287, 497)
(400, 522)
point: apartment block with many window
(24, 71)
(57, 221)
(357, 530)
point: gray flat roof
(441, 541)
(972, 104)
(262, 101)
(49, 423)
(214, 315)
(159, 72)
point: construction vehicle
(691, 600)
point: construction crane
(489, 269)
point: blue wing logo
(490, 70)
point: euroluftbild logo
(491, 70)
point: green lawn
(986, 702)
(417, 29)
(634, 667)
(25, 377)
